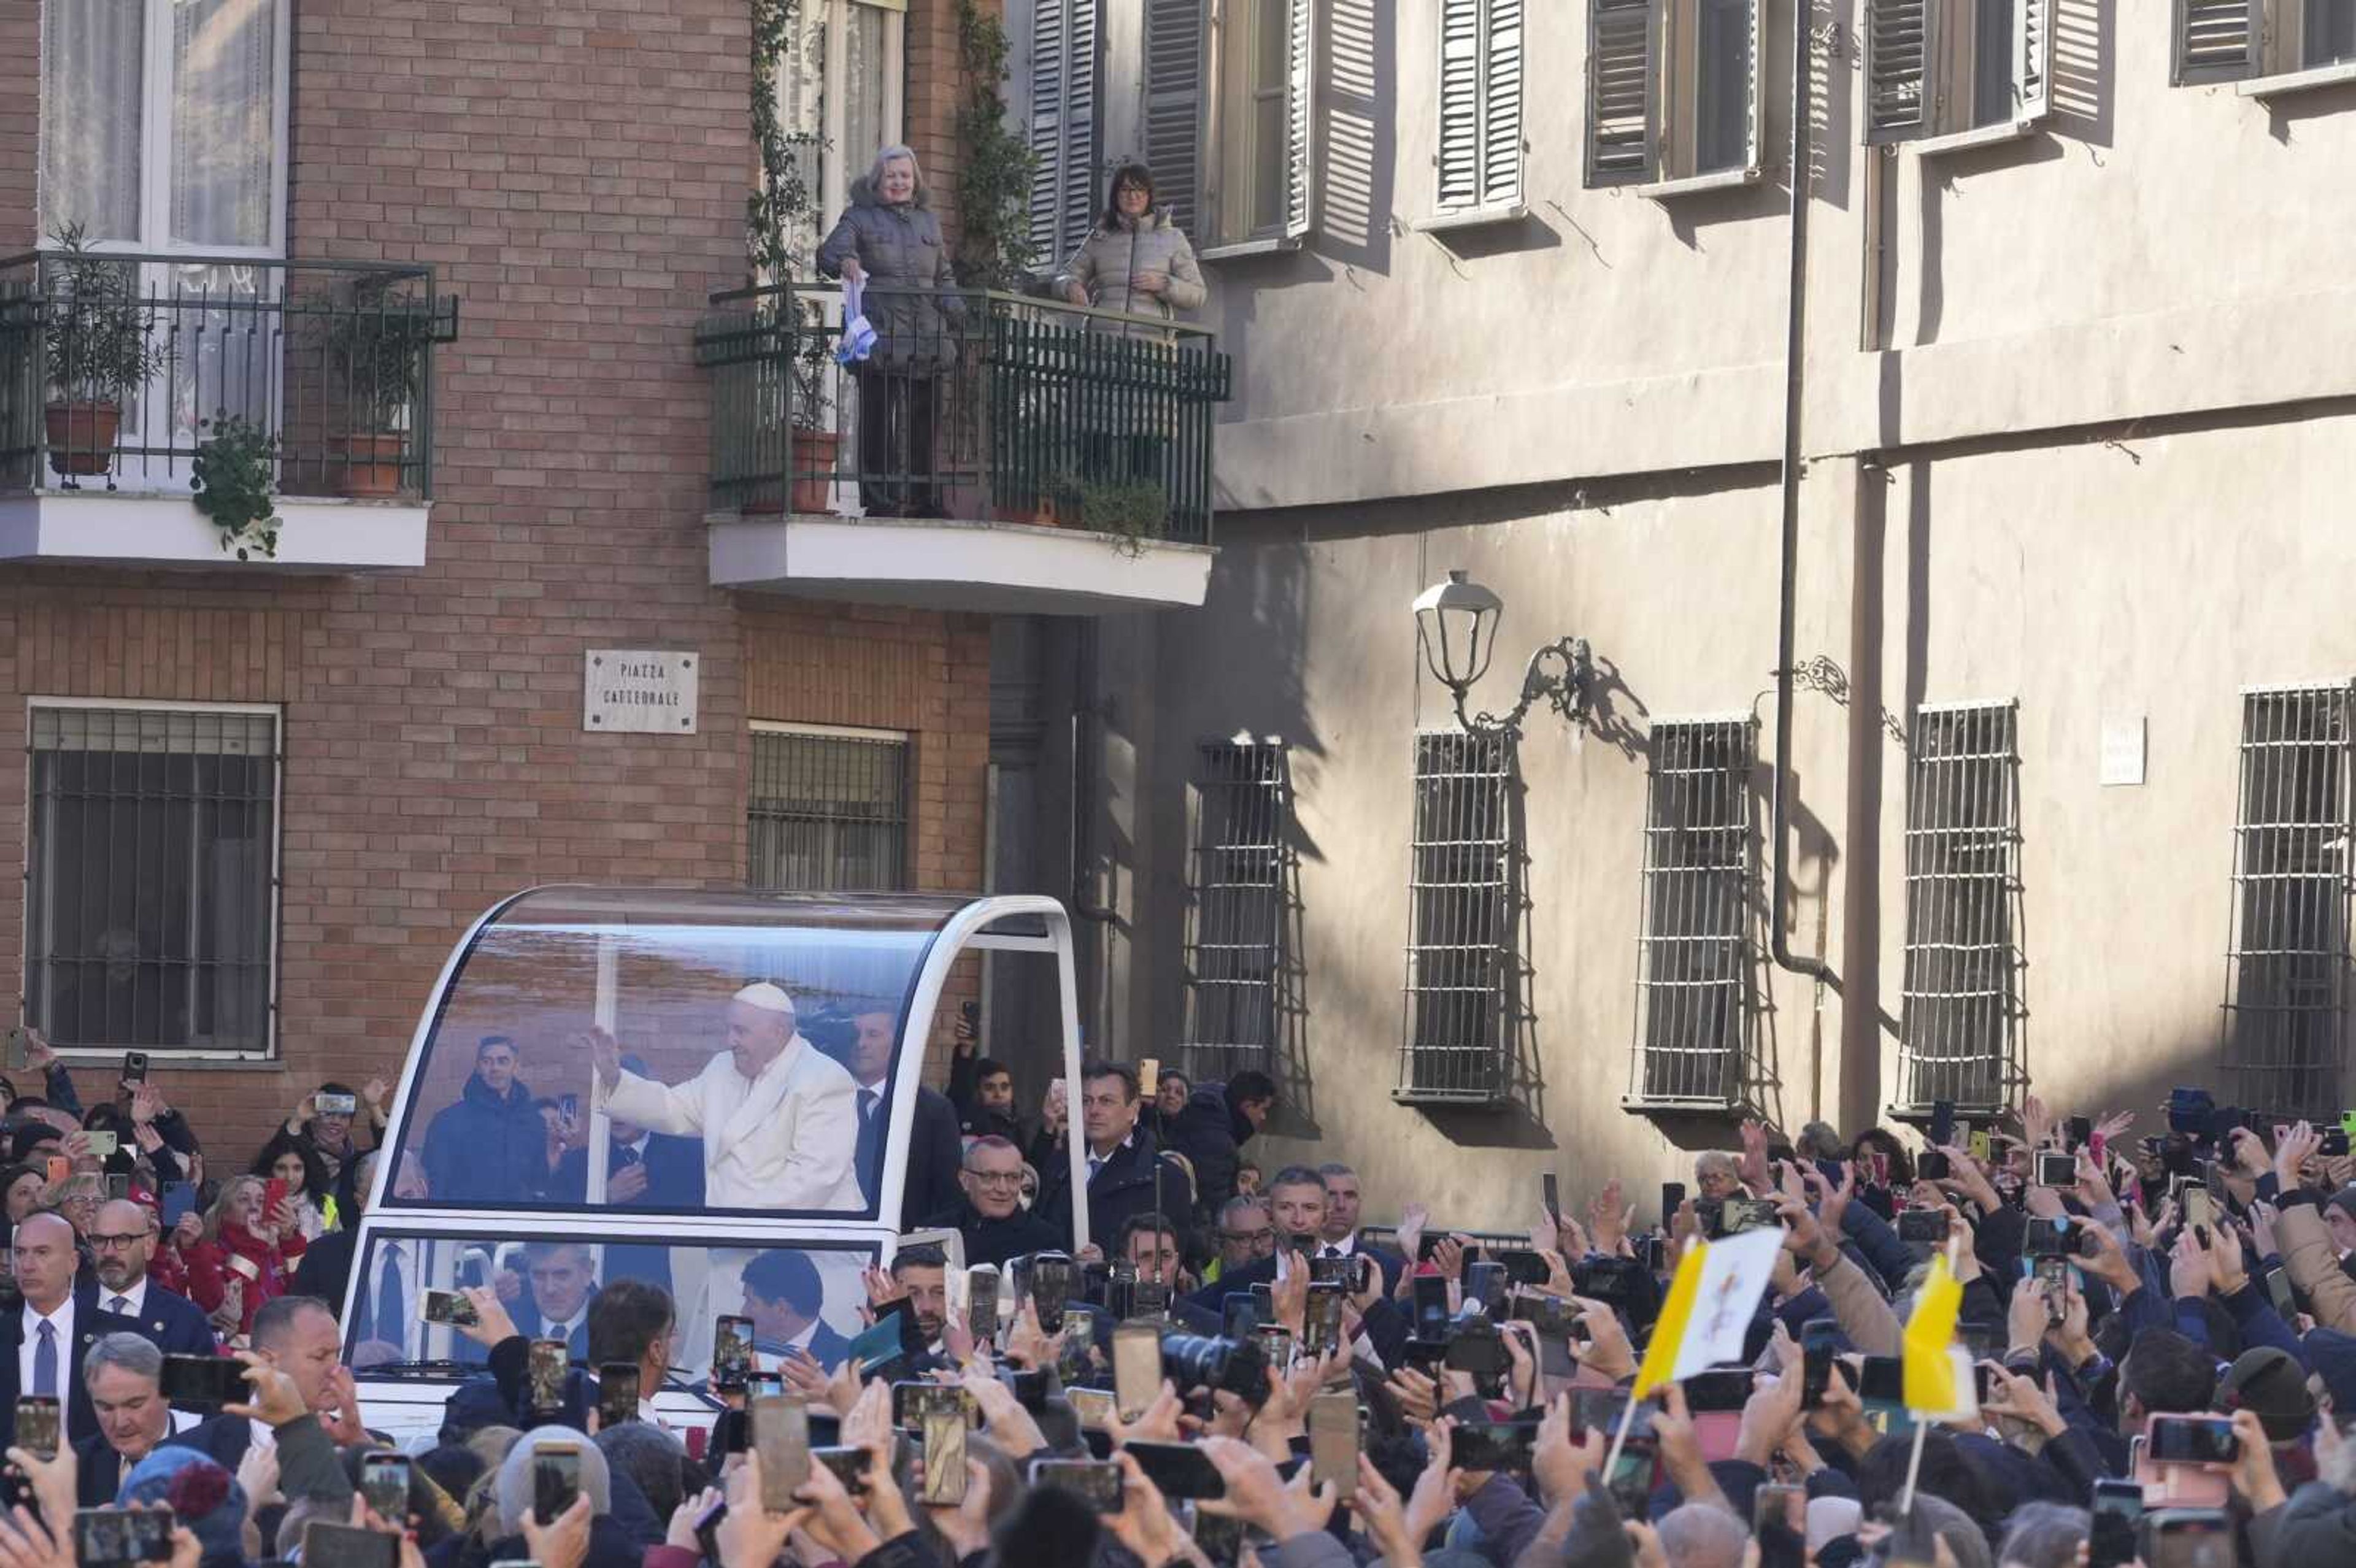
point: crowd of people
(2160, 1329)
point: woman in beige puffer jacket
(1136, 261)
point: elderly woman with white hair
(889, 242)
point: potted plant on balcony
(97, 345)
(377, 341)
(1128, 512)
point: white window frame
(276, 713)
(1664, 32)
(903, 739)
(1483, 204)
(1228, 43)
(838, 163)
(1941, 87)
(155, 131)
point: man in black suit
(1127, 1173)
(643, 1170)
(930, 1184)
(325, 1270)
(784, 1297)
(1295, 1198)
(563, 1281)
(43, 1343)
(1338, 1237)
(990, 1217)
(122, 1240)
(295, 1335)
(124, 1373)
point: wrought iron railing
(116, 368)
(968, 405)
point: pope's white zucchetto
(769, 998)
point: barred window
(152, 870)
(1235, 907)
(827, 810)
(2287, 988)
(1960, 1033)
(1461, 891)
(1693, 953)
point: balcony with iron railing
(308, 384)
(967, 450)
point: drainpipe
(1794, 382)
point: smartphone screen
(1673, 1197)
(1238, 1313)
(2188, 1538)
(1943, 1123)
(1181, 1470)
(1136, 1368)
(2118, 1509)
(1552, 1192)
(110, 1535)
(1093, 1406)
(544, 1373)
(555, 1480)
(273, 1193)
(12, 1055)
(618, 1394)
(731, 1351)
(37, 1425)
(1883, 1380)
(1817, 1337)
(1430, 1296)
(1333, 1439)
(781, 1437)
(346, 1546)
(204, 1380)
(384, 1486)
(981, 1303)
(945, 1477)
(1321, 1323)
(1051, 1288)
(1095, 1481)
(134, 1067)
(446, 1306)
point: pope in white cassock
(779, 1120)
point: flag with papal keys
(1938, 1372)
(1712, 1300)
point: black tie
(391, 1308)
(867, 1098)
(626, 1158)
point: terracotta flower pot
(372, 464)
(814, 454)
(82, 435)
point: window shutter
(1173, 106)
(1501, 106)
(1062, 125)
(1754, 133)
(2216, 40)
(1300, 96)
(1900, 53)
(2033, 70)
(1623, 95)
(1460, 104)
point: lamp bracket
(1564, 691)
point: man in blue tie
(46, 1337)
(934, 1145)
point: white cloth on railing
(858, 339)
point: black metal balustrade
(116, 368)
(969, 404)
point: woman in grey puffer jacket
(890, 240)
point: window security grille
(1461, 892)
(2286, 991)
(152, 865)
(1236, 916)
(1693, 953)
(1960, 1034)
(827, 812)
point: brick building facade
(576, 177)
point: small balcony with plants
(960, 448)
(216, 410)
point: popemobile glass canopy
(666, 1084)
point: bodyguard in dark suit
(43, 1342)
(783, 1297)
(1127, 1174)
(643, 1170)
(124, 1374)
(930, 1184)
(561, 1283)
(123, 1239)
(990, 1216)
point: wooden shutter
(1623, 91)
(1480, 158)
(1754, 124)
(2032, 67)
(1900, 62)
(1062, 125)
(1173, 106)
(1300, 100)
(2216, 40)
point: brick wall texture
(576, 176)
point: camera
(1475, 1345)
(1615, 1280)
(1197, 1360)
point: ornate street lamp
(1456, 626)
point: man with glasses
(123, 1241)
(990, 1215)
(1246, 1234)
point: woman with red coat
(243, 1259)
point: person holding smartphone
(245, 1257)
